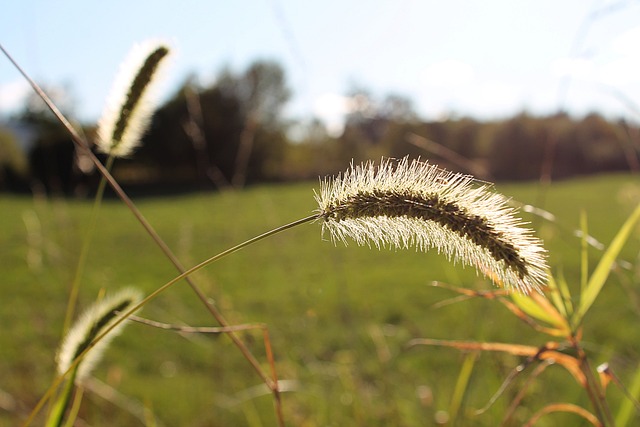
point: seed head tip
(129, 107)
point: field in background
(339, 317)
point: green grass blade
(533, 309)
(627, 407)
(461, 386)
(56, 417)
(584, 254)
(556, 297)
(565, 296)
(601, 273)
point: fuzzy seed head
(406, 204)
(129, 107)
(93, 322)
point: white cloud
(624, 65)
(621, 71)
(502, 94)
(331, 108)
(627, 43)
(482, 98)
(572, 67)
(448, 73)
(492, 98)
(12, 95)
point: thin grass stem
(81, 142)
(154, 294)
(594, 391)
(196, 329)
(57, 413)
(84, 251)
(75, 407)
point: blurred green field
(339, 317)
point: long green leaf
(56, 417)
(554, 295)
(601, 273)
(584, 255)
(533, 309)
(627, 407)
(565, 295)
(461, 386)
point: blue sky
(486, 59)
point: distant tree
(52, 157)
(603, 144)
(584, 146)
(466, 135)
(377, 128)
(314, 153)
(398, 108)
(563, 148)
(453, 144)
(13, 162)
(261, 92)
(239, 128)
(517, 149)
(365, 122)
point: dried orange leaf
(564, 407)
(547, 352)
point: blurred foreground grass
(339, 317)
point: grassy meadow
(339, 318)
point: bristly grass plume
(128, 110)
(91, 324)
(406, 204)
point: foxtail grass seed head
(129, 108)
(93, 322)
(402, 204)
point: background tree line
(233, 133)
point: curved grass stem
(273, 385)
(79, 141)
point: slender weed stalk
(82, 144)
(125, 118)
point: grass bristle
(406, 204)
(92, 323)
(128, 110)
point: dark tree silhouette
(236, 123)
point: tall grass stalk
(333, 209)
(211, 308)
(56, 383)
(84, 250)
(123, 122)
